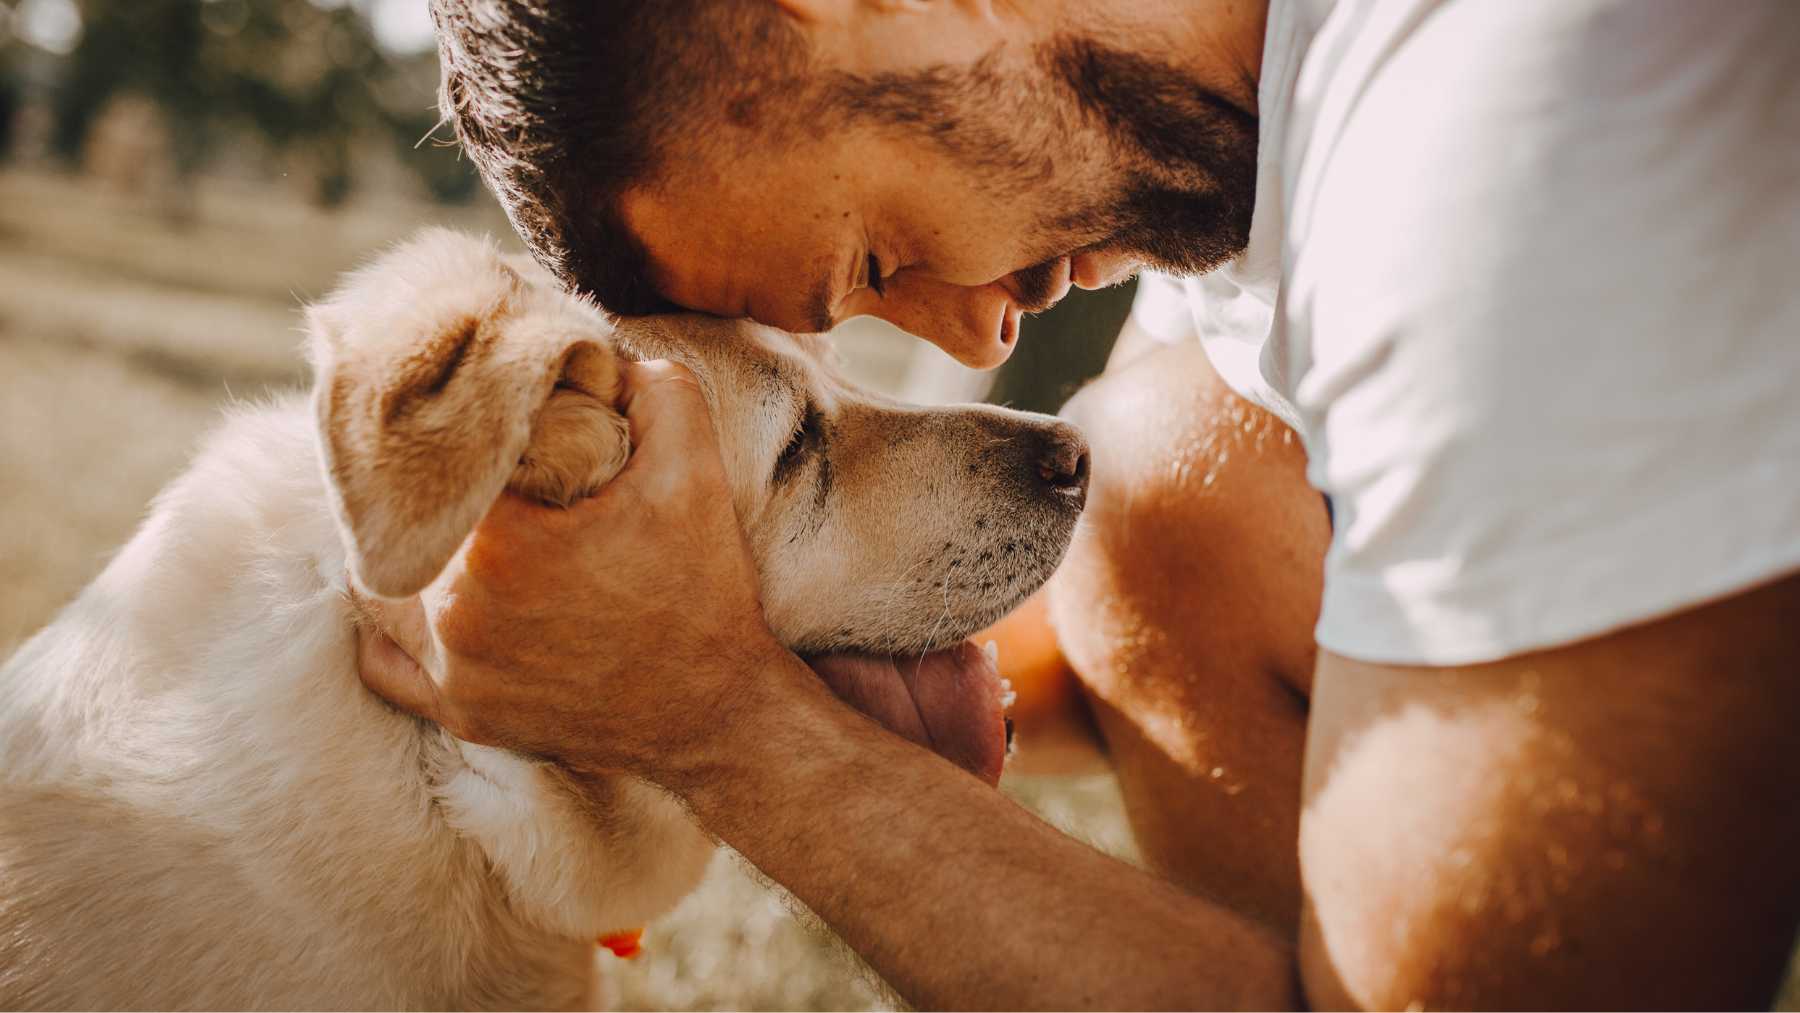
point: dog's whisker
(931, 638)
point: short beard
(1185, 205)
(1182, 156)
(1035, 286)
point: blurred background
(177, 177)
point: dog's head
(875, 525)
(448, 373)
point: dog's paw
(447, 373)
(579, 441)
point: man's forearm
(955, 895)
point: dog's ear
(446, 373)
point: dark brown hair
(565, 104)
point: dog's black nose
(1060, 455)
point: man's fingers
(666, 409)
(389, 638)
(393, 675)
(674, 450)
(404, 621)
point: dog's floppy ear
(446, 373)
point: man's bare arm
(1607, 824)
(954, 894)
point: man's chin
(952, 701)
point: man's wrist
(754, 723)
(775, 718)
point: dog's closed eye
(808, 432)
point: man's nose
(971, 324)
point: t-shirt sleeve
(1160, 309)
(1549, 263)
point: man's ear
(444, 376)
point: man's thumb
(391, 637)
(664, 405)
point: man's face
(953, 192)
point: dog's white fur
(201, 807)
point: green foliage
(306, 82)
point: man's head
(945, 166)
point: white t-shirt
(1525, 277)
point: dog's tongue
(949, 701)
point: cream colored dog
(200, 805)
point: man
(1510, 283)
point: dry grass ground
(121, 336)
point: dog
(202, 807)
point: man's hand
(562, 629)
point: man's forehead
(732, 258)
(674, 255)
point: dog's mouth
(952, 701)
